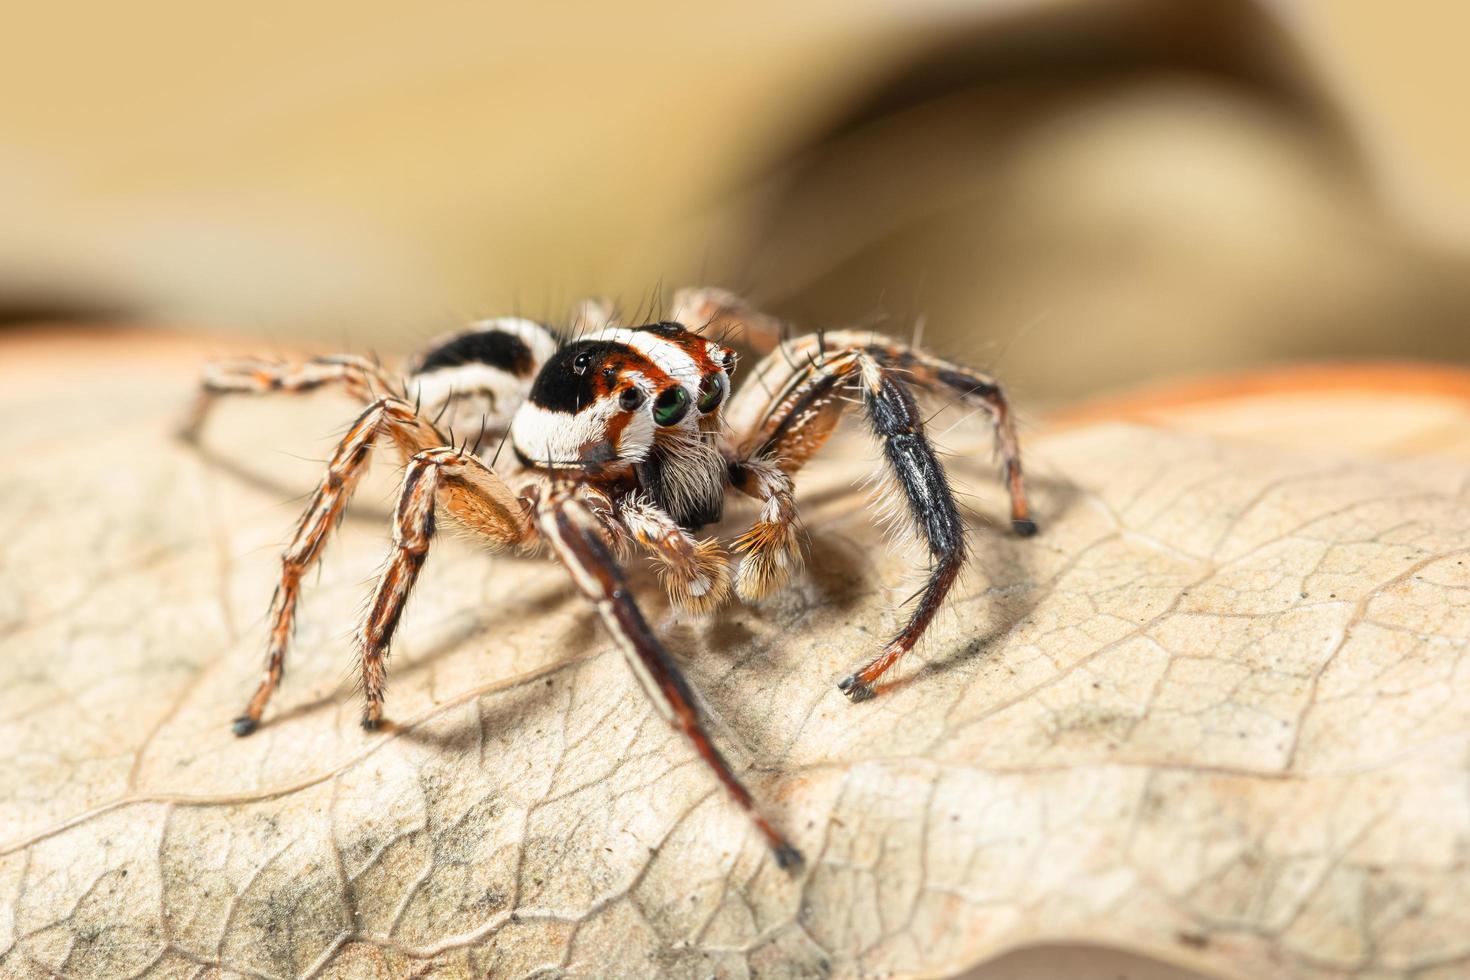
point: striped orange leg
(477, 499)
(363, 379)
(410, 432)
(576, 537)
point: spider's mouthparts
(687, 480)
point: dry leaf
(1217, 711)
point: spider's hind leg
(477, 499)
(976, 388)
(363, 379)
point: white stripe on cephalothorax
(669, 356)
(503, 389)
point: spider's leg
(898, 423)
(328, 504)
(721, 314)
(694, 573)
(789, 430)
(761, 411)
(790, 425)
(976, 388)
(591, 315)
(362, 378)
(470, 493)
(577, 539)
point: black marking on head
(496, 348)
(666, 329)
(570, 379)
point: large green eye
(712, 392)
(671, 406)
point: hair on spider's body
(622, 437)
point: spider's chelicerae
(623, 437)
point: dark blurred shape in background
(1081, 194)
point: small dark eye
(727, 361)
(712, 392)
(671, 406)
(631, 398)
(582, 362)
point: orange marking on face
(615, 368)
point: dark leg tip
(788, 858)
(1024, 527)
(854, 688)
(371, 724)
(244, 725)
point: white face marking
(483, 394)
(557, 439)
(484, 389)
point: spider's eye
(671, 406)
(727, 361)
(631, 398)
(712, 392)
(582, 362)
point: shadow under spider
(359, 512)
(579, 636)
(836, 571)
(1006, 566)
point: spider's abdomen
(477, 378)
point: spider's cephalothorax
(641, 404)
(625, 436)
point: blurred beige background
(1083, 194)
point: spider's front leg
(478, 499)
(577, 538)
(790, 409)
(348, 463)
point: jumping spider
(621, 437)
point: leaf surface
(1218, 712)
